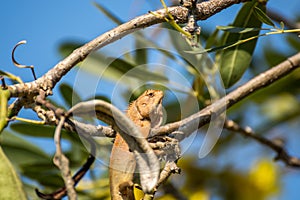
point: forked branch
(48, 81)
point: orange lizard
(145, 112)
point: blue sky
(45, 24)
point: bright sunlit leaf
(10, 184)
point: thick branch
(48, 81)
(144, 154)
(87, 130)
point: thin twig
(17, 64)
(50, 116)
(60, 193)
(62, 162)
(278, 147)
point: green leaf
(234, 61)
(45, 173)
(70, 96)
(262, 16)
(67, 48)
(141, 73)
(113, 68)
(233, 29)
(34, 130)
(53, 181)
(10, 184)
(42, 131)
(141, 55)
(20, 151)
(108, 14)
(294, 42)
(222, 47)
(273, 57)
(34, 163)
(212, 39)
(280, 106)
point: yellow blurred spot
(263, 175)
(167, 197)
(200, 195)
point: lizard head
(149, 106)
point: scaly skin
(145, 112)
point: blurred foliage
(228, 182)
(211, 178)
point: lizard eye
(151, 94)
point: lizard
(146, 113)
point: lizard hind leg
(126, 190)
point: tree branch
(191, 123)
(62, 162)
(278, 147)
(48, 81)
(87, 130)
(144, 154)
